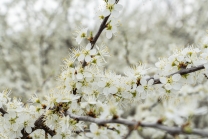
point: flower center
(109, 27)
(83, 35)
(110, 7)
(101, 17)
(170, 80)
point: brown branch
(100, 30)
(93, 42)
(181, 72)
(170, 130)
(175, 130)
(129, 133)
(80, 131)
(39, 124)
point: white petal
(108, 34)
(28, 129)
(156, 76)
(176, 86)
(163, 80)
(140, 89)
(88, 134)
(126, 95)
(178, 120)
(93, 127)
(105, 91)
(176, 77)
(206, 66)
(79, 76)
(101, 84)
(88, 47)
(106, 12)
(78, 85)
(150, 82)
(180, 58)
(118, 7)
(113, 90)
(85, 30)
(88, 58)
(78, 39)
(168, 86)
(83, 104)
(87, 74)
(111, 1)
(114, 29)
(93, 52)
(143, 82)
(204, 55)
(115, 14)
(143, 95)
(68, 87)
(81, 57)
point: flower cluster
(17, 117)
(85, 89)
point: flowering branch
(93, 42)
(129, 133)
(181, 72)
(39, 124)
(170, 130)
(85, 90)
(101, 28)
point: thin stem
(100, 30)
(181, 72)
(170, 130)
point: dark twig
(2, 111)
(93, 42)
(170, 130)
(129, 133)
(39, 124)
(181, 72)
(100, 30)
(80, 131)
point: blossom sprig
(111, 28)
(86, 94)
(112, 8)
(136, 125)
(81, 34)
(87, 53)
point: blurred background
(36, 35)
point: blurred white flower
(87, 53)
(81, 35)
(96, 133)
(111, 29)
(112, 8)
(171, 82)
(145, 87)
